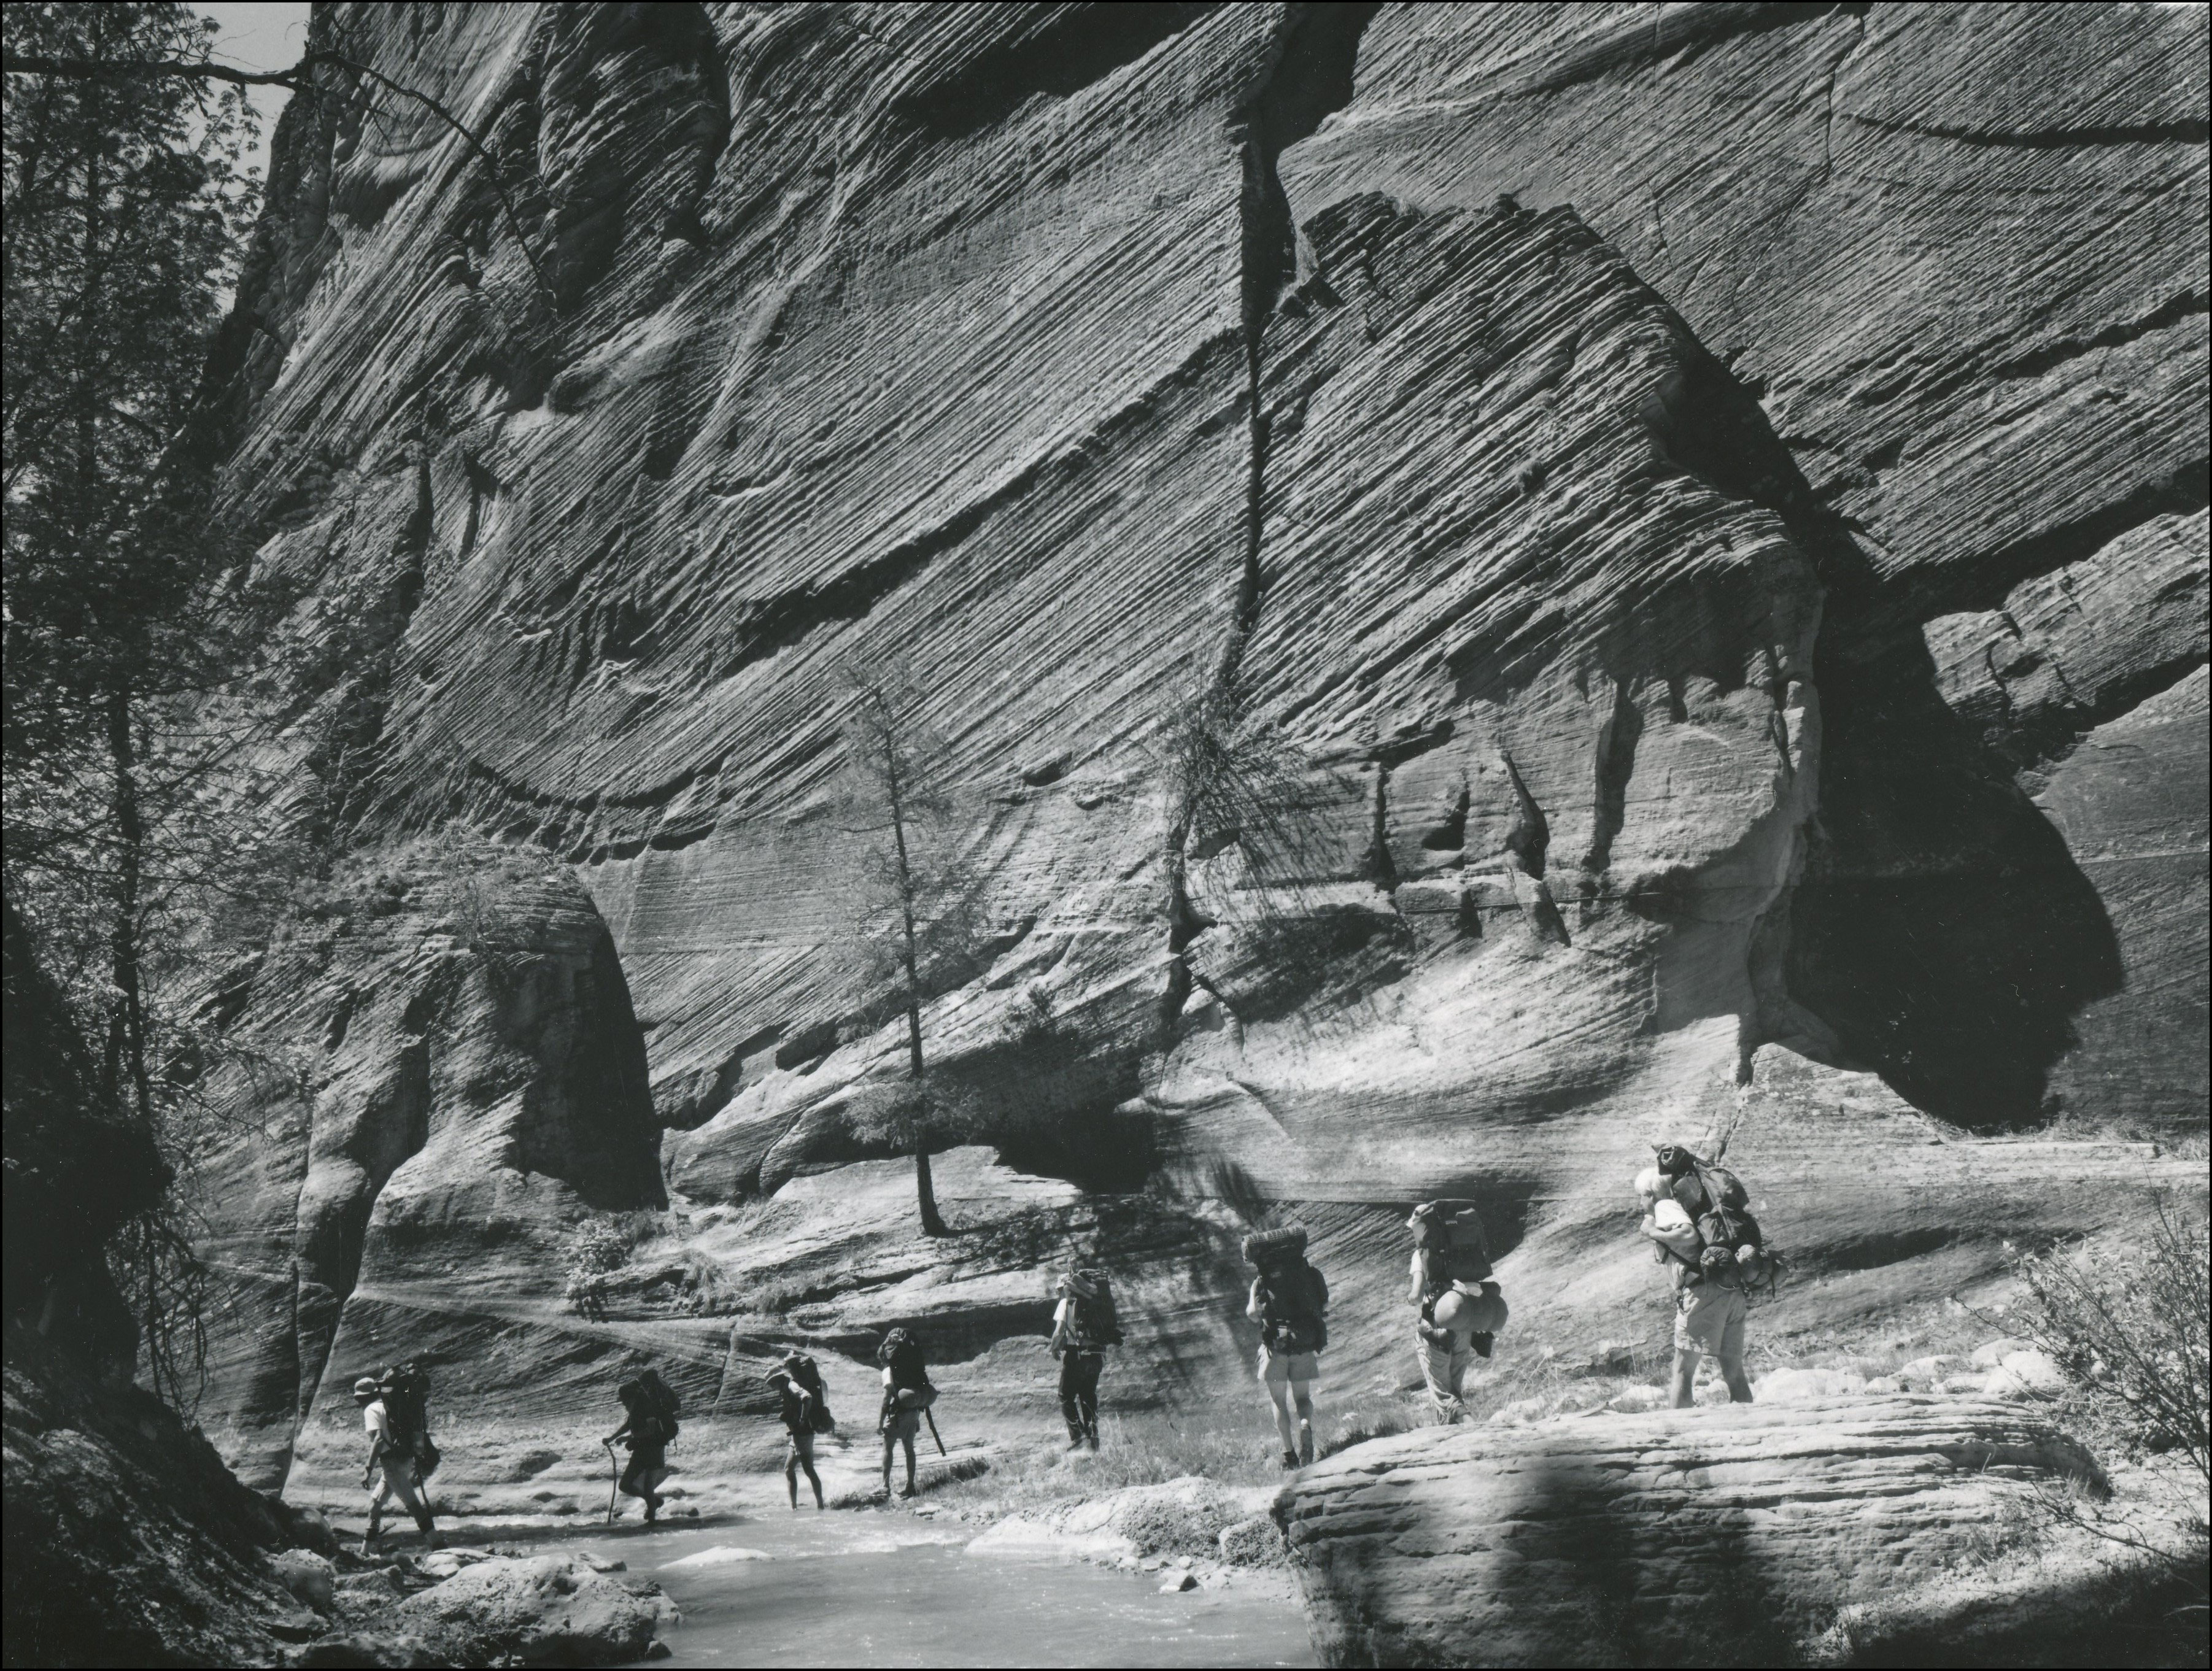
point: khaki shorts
(1298, 1368)
(1710, 1318)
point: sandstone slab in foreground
(1723, 1535)
(542, 1610)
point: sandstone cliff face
(1711, 503)
(427, 1087)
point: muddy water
(866, 1587)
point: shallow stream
(870, 1588)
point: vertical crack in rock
(1310, 76)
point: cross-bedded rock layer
(1710, 501)
(1728, 1535)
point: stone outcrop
(128, 1540)
(1728, 1535)
(1705, 509)
(1190, 1517)
(429, 1079)
(545, 1610)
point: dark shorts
(644, 1462)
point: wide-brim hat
(367, 1388)
(1075, 1283)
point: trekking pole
(614, 1479)
(932, 1420)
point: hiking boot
(1091, 1439)
(906, 1492)
(652, 1510)
(1290, 1459)
(1076, 1442)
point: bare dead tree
(927, 895)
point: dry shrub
(2129, 1331)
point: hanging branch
(298, 79)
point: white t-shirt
(376, 1421)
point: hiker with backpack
(1289, 1300)
(806, 1412)
(1461, 1308)
(391, 1470)
(1698, 1214)
(907, 1398)
(649, 1427)
(1084, 1325)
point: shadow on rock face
(1941, 927)
(1623, 1585)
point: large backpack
(804, 1374)
(406, 1389)
(659, 1400)
(1723, 1190)
(1097, 1319)
(900, 1353)
(1735, 1253)
(1447, 1236)
(1294, 1303)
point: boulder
(364, 1650)
(308, 1576)
(1185, 1518)
(541, 1610)
(1808, 1386)
(2029, 1374)
(1680, 1537)
(1925, 1372)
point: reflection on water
(869, 1588)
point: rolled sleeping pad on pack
(1268, 1246)
(915, 1398)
